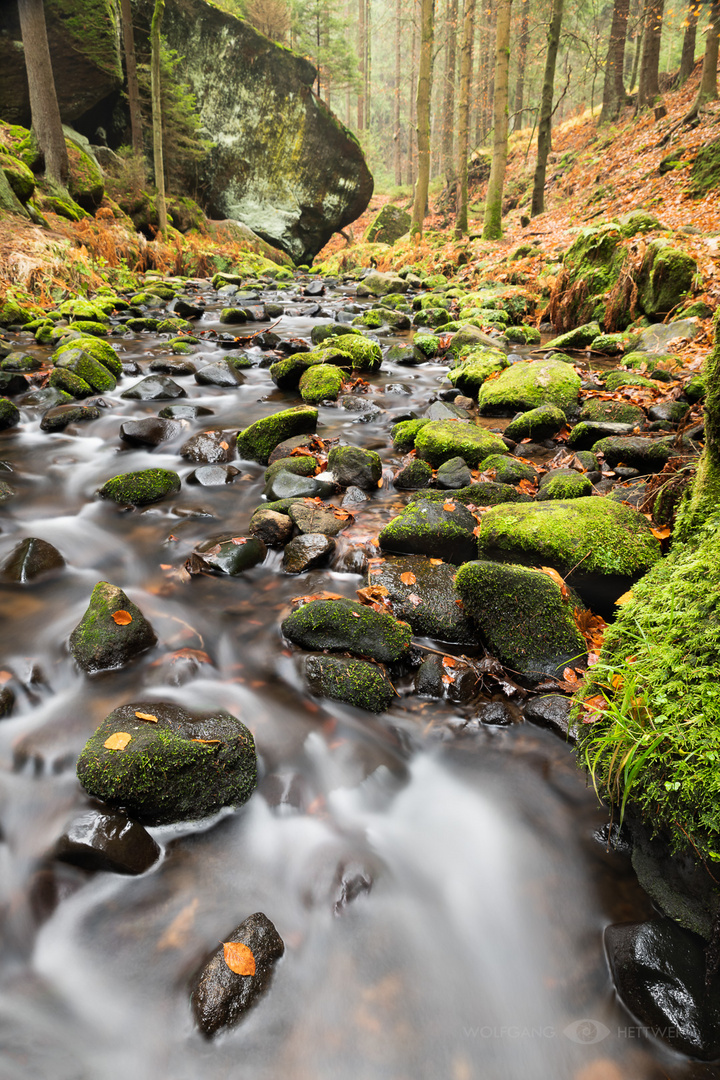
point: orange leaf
(556, 578)
(317, 596)
(626, 596)
(355, 614)
(449, 661)
(408, 578)
(569, 675)
(448, 505)
(122, 618)
(206, 742)
(414, 599)
(662, 534)
(147, 716)
(436, 562)
(239, 958)
(192, 654)
(118, 741)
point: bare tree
(132, 79)
(614, 95)
(546, 108)
(687, 59)
(157, 122)
(522, 61)
(708, 89)
(448, 136)
(492, 226)
(46, 122)
(424, 87)
(649, 85)
(461, 220)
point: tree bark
(44, 108)
(448, 139)
(708, 90)
(614, 89)
(412, 100)
(397, 135)
(492, 227)
(522, 60)
(649, 86)
(362, 49)
(461, 220)
(546, 109)
(136, 135)
(424, 88)
(687, 59)
(156, 93)
(368, 60)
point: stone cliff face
(282, 163)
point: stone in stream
(150, 431)
(425, 527)
(563, 484)
(154, 388)
(6, 491)
(508, 470)
(446, 410)
(11, 383)
(101, 840)
(69, 382)
(222, 373)
(440, 440)
(86, 367)
(320, 382)
(612, 412)
(213, 475)
(354, 496)
(7, 702)
(312, 518)
(538, 424)
(256, 442)
(354, 682)
(9, 414)
(186, 310)
(303, 465)
(351, 465)
(422, 593)
(21, 362)
(347, 626)
(221, 996)
(285, 449)
(229, 556)
(525, 386)
(357, 403)
(290, 485)
(165, 365)
(180, 766)
(434, 679)
(453, 473)
(413, 476)
(287, 373)
(104, 638)
(647, 455)
(184, 412)
(307, 552)
(274, 529)
(30, 559)
(587, 433)
(523, 616)
(62, 416)
(552, 711)
(209, 447)
(140, 488)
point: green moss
(522, 335)
(507, 469)
(613, 412)
(13, 314)
(140, 488)
(98, 643)
(616, 379)
(426, 528)
(286, 373)
(9, 417)
(322, 382)
(405, 433)
(137, 325)
(526, 386)
(87, 368)
(353, 682)
(564, 484)
(19, 176)
(484, 493)
(611, 344)
(257, 442)
(23, 362)
(300, 466)
(695, 388)
(82, 326)
(648, 455)
(365, 355)
(435, 316)
(63, 379)
(441, 440)
(475, 367)
(666, 275)
(347, 626)
(372, 319)
(705, 172)
(413, 476)
(540, 423)
(428, 344)
(101, 351)
(580, 338)
(321, 332)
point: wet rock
(44, 399)
(354, 682)
(87, 367)
(11, 383)
(184, 412)
(256, 442)
(7, 702)
(185, 765)
(22, 362)
(304, 465)
(354, 496)
(150, 431)
(222, 373)
(163, 365)
(347, 626)
(508, 470)
(99, 840)
(31, 559)
(672, 411)
(154, 388)
(541, 423)
(187, 310)
(426, 528)
(496, 714)
(413, 476)
(380, 284)
(62, 416)
(272, 528)
(429, 678)
(659, 973)
(426, 599)
(288, 485)
(564, 484)
(221, 996)
(316, 519)
(587, 433)
(446, 410)
(524, 386)
(98, 642)
(9, 414)
(484, 493)
(552, 711)
(354, 466)
(647, 455)
(6, 491)
(334, 880)
(453, 473)
(285, 448)
(358, 403)
(140, 488)
(209, 447)
(213, 475)
(441, 440)
(307, 552)
(232, 556)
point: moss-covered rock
(86, 368)
(522, 335)
(365, 355)
(388, 225)
(105, 637)
(507, 469)
(426, 598)
(475, 367)
(484, 493)
(379, 284)
(647, 455)
(666, 275)
(101, 351)
(563, 484)
(181, 766)
(441, 440)
(140, 488)
(592, 268)
(19, 176)
(320, 382)
(23, 362)
(582, 337)
(77, 310)
(14, 314)
(351, 465)
(426, 527)
(615, 412)
(428, 345)
(405, 433)
(306, 465)
(64, 379)
(9, 414)
(615, 380)
(526, 386)
(353, 682)
(541, 423)
(695, 388)
(256, 442)
(413, 476)
(347, 626)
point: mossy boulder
(140, 488)
(614, 412)
(582, 337)
(404, 434)
(592, 267)
(379, 284)
(522, 335)
(587, 433)
(69, 382)
(9, 414)
(666, 275)
(320, 382)
(647, 455)
(428, 345)
(507, 469)
(14, 314)
(79, 309)
(86, 183)
(101, 351)
(347, 626)
(475, 367)
(353, 682)
(100, 641)
(541, 423)
(526, 386)
(413, 476)
(19, 176)
(305, 465)
(484, 493)
(524, 618)
(257, 442)
(426, 598)
(364, 355)
(614, 380)
(388, 225)
(351, 465)
(563, 484)
(441, 440)
(181, 766)
(426, 527)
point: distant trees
(44, 108)
(157, 124)
(492, 227)
(546, 108)
(133, 87)
(461, 220)
(649, 84)
(424, 90)
(614, 89)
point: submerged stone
(154, 388)
(209, 447)
(353, 682)
(140, 488)
(60, 417)
(99, 641)
(30, 559)
(150, 431)
(107, 841)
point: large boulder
(526, 386)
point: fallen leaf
(192, 654)
(449, 661)
(206, 742)
(147, 716)
(175, 936)
(625, 598)
(239, 958)
(372, 594)
(355, 614)
(408, 578)
(122, 618)
(569, 675)
(556, 578)
(662, 534)
(436, 562)
(448, 506)
(317, 596)
(414, 599)
(239, 539)
(117, 741)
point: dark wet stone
(659, 973)
(46, 398)
(287, 485)
(184, 412)
(426, 528)
(354, 682)
(351, 465)
(154, 388)
(6, 491)
(445, 410)
(351, 560)
(21, 362)
(150, 431)
(232, 556)
(453, 474)
(495, 713)
(552, 711)
(429, 678)
(314, 288)
(272, 528)
(221, 996)
(98, 642)
(427, 599)
(647, 455)
(311, 518)
(348, 626)
(267, 340)
(186, 310)
(213, 475)
(167, 366)
(285, 449)
(413, 476)
(307, 552)
(7, 702)
(100, 840)
(221, 373)
(354, 496)
(12, 383)
(588, 432)
(31, 559)
(185, 765)
(362, 405)
(209, 447)
(62, 416)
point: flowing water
(440, 891)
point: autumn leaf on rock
(408, 578)
(436, 562)
(316, 596)
(122, 618)
(117, 741)
(239, 958)
(414, 599)
(449, 506)
(147, 716)
(559, 581)
(662, 534)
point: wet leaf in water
(122, 618)
(239, 958)
(117, 741)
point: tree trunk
(136, 135)
(44, 108)
(412, 100)
(492, 227)
(546, 108)
(522, 60)
(424, 87)
(362, 48)
(687, 60)
(708, 90)
(461, 221)
(649, 87)
(638, 53)
(397, 136)
(614, 89)
(368, 60)
(448, 139)
(156, 92)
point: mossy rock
(9, 414)
(647, 455)
(614, 380)
(526, 386)
(140, 488)
(582, 337)
(705, 173)
(286, 374)
(508, 470)
(19, 176)
(64, 379)
(83, 310)
(84, 327)
(365, 355)
(484, 493)
(695, 388)
(522, 335)
(593, 263)
(466, 338)
(353, 682)
(428, 344)
(413, 476)
(614, 412)
(352, 465)
(82, 364)
(320, 382)
(347, 626)
(541, 423)
(425, 527)
(388, 225)
(426, 599)
(23, 362)
(524, 618)
(477, 366)
(373, 320)
(86, 184)
(184, 766)
(666, 275)
(257, 442)
(441, 440)
(14, 314)
(404, 434)
(99, 642)
(638, 221)
(611, 344)
(563, 484)
(435, 316)
(305, 465)
(379, 284)
(101, 351)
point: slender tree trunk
(398, 131)
(448, 139)
(614, 88)
(649, 86)
(522, 60)
(546, 108)
(708, 89)
(424, 88)
(362, 51)
(44, 108)
(492, 227)
(461, 220)
(136, 135)
(368, 60)
(156, 92)
(638, 54)
(412, 98)
(687, 60)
